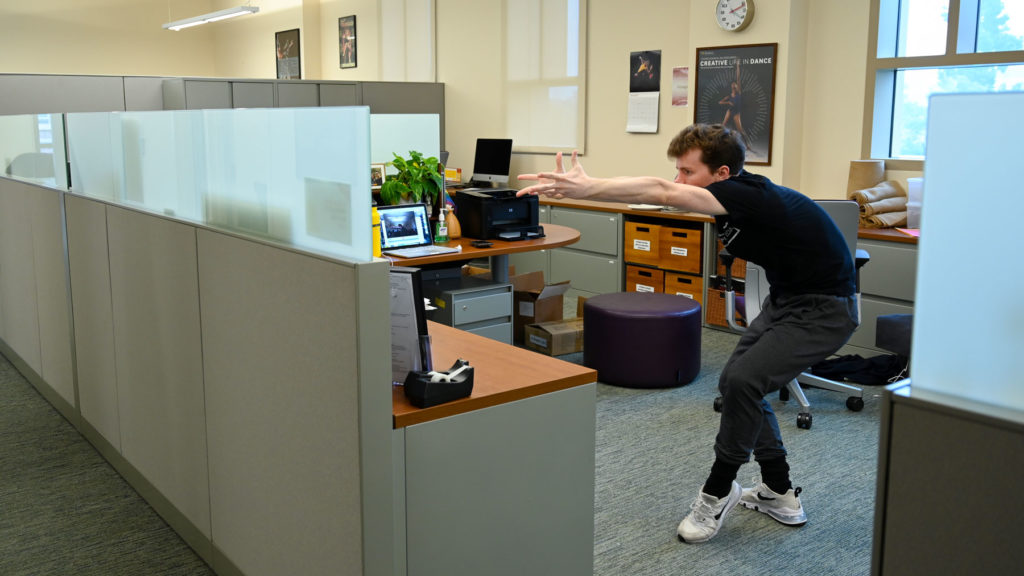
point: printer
(487, 213)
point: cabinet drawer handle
(642, 229)
(645, 273)
(680, 234)
(684, 281)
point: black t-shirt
(786, 233)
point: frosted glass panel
(32, 149)
(968, 313)
(299, 176)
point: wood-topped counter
(502, 373)
(621, 208)
(887, 234)
(554, 237)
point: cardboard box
(555, 338)
(533, 301)
(580, 301)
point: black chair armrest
(727, 260)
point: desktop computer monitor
(492, 160)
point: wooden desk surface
(621, 208)
(554, 237)
(502, 373)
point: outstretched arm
(639, 189)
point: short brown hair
(719, 146)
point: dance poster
(735, 86)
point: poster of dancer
(735, 86)
(288, 66)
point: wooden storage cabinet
(642, 243)
(641, 279)
(664, 256)
(685, 285)
(679, 249)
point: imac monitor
(492, 160)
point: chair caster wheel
(803, 420)
(784, 394)
(855, 403)
(718, 404)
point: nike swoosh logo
(763, 497)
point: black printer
(497, 213)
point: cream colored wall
(115, 37)
(819, 98)
(367, 40)
(818, 95)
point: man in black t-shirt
(808, 315)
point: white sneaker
(786, 508)
(707, 514)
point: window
(927, 47)
(544, 74)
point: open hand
(557, 184)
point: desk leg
(499, 268)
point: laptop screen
(403, 226)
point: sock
(775, 473)
(719, 482)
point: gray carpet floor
(63, 510)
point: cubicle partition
(952, 441)
(204, 307)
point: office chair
(846, 215)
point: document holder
(426, 389)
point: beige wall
(819, 83)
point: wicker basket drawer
(715, 309)
(739, 265)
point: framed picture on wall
(288, 65)
(735, 86)
(347, 41)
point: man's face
(691, 169)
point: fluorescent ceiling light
(211, 17)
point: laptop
(405, 232)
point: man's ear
(722, 173)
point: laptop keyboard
(418, 251)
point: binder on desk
(410, 342)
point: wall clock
(734, 15)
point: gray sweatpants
(788, 336)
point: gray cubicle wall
(49, 93)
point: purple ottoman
(642, 339)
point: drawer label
(538, 341)
(526, 308)
(643, 245)
(678, 251)
(644, 288)
(690, 296)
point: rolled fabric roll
(887, 189)
(864, 174)
(886, 220)
(894, 204)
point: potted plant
(417, 177)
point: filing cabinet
(472, 304)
